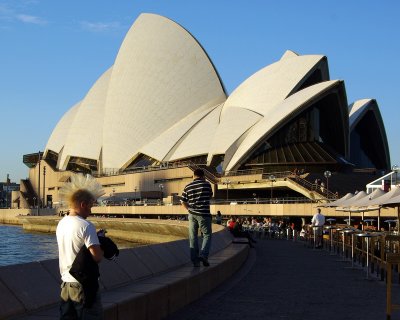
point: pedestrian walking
(196, 200)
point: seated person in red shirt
(235, 226)
(231, 224)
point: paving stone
(286, 280)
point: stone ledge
(158, 296)
(139, 279)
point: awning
(338, 202)
(347, 203)
(386, 198)
(363, 204)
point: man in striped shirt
(196, 199)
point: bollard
(391, 258)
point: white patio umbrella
(388, 199)
(362, 204)
(394, 202)
(344, 206)
(337, 202)
(380, 201)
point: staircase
(28, 193)
(344, 183)
(313, 190)
(208, 175)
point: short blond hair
(79, 196)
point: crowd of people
(250, 227)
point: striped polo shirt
(197, 194)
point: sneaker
(205, 261)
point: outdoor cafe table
(351, 232)
(330, 228)
(367, 236)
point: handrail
(217, 179)
(277, 175)
(207, 173)
(162, 166)
(243, 172)
(312, 187)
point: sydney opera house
(161, 110)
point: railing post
(388, 290)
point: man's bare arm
(96, 252)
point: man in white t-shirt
(317, 222)
(73, 232)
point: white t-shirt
(318, 220)
(72, 233)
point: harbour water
(19, 246)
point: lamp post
(161, 186)
(227, 182)
(327, 175)
(395, 169)
(38, 198)
(44, 186)
(272, 179)
(135, 194)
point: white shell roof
(358, 109)
(161, 75)
(289, 54)
(258, 95)
(198, 139)
(272, 84)
(59, 135)
(235, 123)
(163, 98)
(84, 139)
(168, 141)
(276, 118)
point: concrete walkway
(286, 280)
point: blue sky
(52, 52)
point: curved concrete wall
(138, 230)
(153, 281)
(12, 216)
